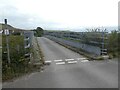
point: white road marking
(85, 61)
(72, 62)
(69, 59)
(60, 63)
(58, 60)
(81, 58)
(48, 61)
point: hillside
(2, 26)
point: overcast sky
(59, 14)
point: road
(68, 70)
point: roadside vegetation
(38, 60)
(113, 44)
(38, 32)
(0, 57)
(17, 61)
(19, 65)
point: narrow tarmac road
(68, 70)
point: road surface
(68, 70)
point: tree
(39, 32)
(113, 42)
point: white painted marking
(85, 61)
(48, 61)
(58, 60)
(72, 62)
(60, 63)
(81, 58)
(69, 59)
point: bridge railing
(96, 39)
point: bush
(18, 63)
(113, 43)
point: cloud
(22, 20)
(14, 16)
(58, 14)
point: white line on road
(72, 62)
(81, 58)
(85, 61)
(60, 63)
(69, 59)
(48, 61)
(58, 60)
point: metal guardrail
(91, 49)
(28, 46)
(26, 39)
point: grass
(41, 54)
(0, 54)
(11, 71)
(0, 57)
(81, 41)
(0, 64)
(19, 65)
(37, 53)
(0, 40)
(71, 39)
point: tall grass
(18, 62)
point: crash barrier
(88, 48)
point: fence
(91, 49)
(92, 42)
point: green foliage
(0, 40)
(39, 32)
(113, 43)
(16, 47)
(17, 65)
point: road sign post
(6, 31)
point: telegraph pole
(7, 41)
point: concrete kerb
(38, 58)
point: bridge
(92, 42)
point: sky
(59, 14)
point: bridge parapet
(83, 39)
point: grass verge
(21, 66)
